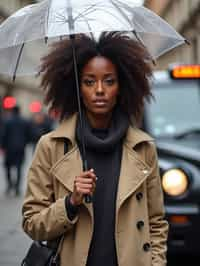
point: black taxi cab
(173, 119)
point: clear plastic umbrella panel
(25, 36)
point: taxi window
(176, 108)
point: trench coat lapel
(134, 170)
(67, 168)
(69, 165)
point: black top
(102, 249)
(103, 152)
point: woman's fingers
(80, 186)
(84, 180)
(88, 174)
(84, 184)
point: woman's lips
(100, 103)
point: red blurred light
(35, 107)
(9, 102)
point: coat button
(140, 224)
(146, 247)
(145, 171)
(139, 196)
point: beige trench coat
(139, 199)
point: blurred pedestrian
(1, 128)
(40, 125)
(125, 223)
(15, 136)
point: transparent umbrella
(34, 27)
(25, 36)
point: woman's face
(99, 86)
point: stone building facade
(25, 90)
(184, 16)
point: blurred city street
(14, 242)
(35, 97)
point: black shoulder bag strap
(59, 244)
(65, 146)
(39, 253)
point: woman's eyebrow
(110, 74)
(88, 75)
(105, 75)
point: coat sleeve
(157, 222)
(43, 217)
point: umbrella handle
(87, 198)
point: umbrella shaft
(70, 17)
(88, 198)
(79, 103)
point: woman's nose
(99, 88)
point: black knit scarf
(106, 140)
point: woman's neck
(99, 121)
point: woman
(125, 223)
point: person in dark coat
(15, 136)
(40, 125)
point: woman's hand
(84, 184)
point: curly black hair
(129, 57)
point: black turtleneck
(103, 152)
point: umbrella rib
(90, 29)
(92, 9)
(89, 9)
(160, 34)
(102, 9)
(127, 7)
(47, 21)
(121, 12)
(17, 63)
(60, 17)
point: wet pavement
(14, 242)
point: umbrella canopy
(24, 35)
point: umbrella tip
(154, 62)
(187, 42)
(38, 74)
(14, 78)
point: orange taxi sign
(186, 72)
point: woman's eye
(88, 82)
(110, 82)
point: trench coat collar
(67, 130)
(135, 136)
